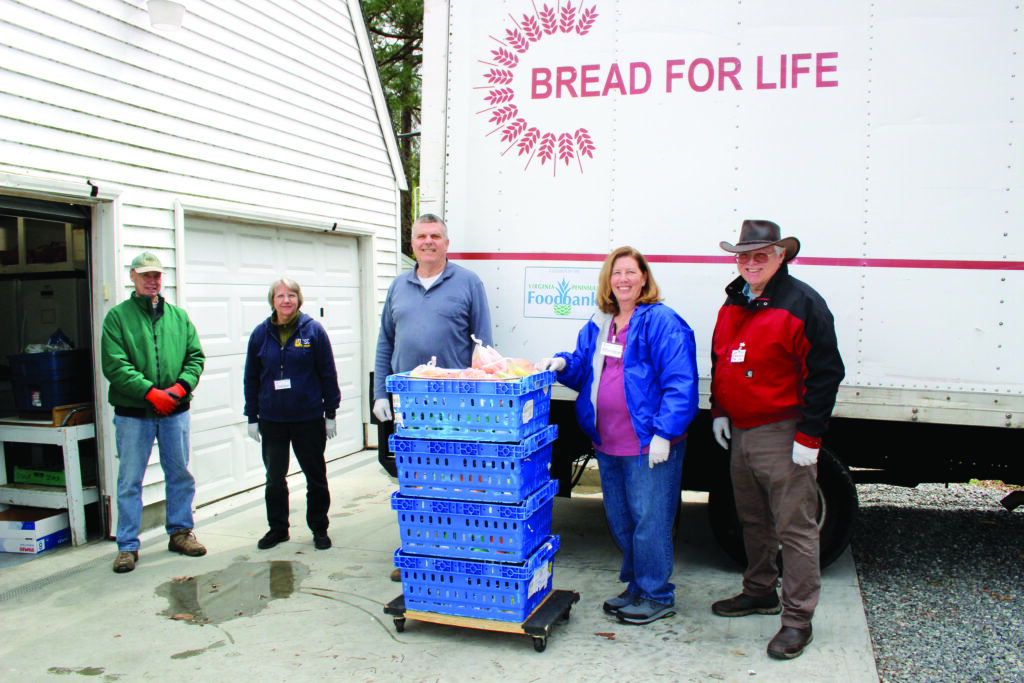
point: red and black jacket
(790, 367)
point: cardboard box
(33, 530)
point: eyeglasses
(759, 257)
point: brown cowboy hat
(759, 234)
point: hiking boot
(321, 541)
(743, 604)
(396, 575)
(624, 599)
(184, 541)
(789, 642)
(125, 561)
(272, 538)
(644, 611)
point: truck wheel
(837, 512)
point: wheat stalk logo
(531, 141)
(563, 295)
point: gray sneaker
(624, 599)
(644, 611)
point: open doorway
(46, 361)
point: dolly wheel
(540, 643)
(566, 613)
(399, 624)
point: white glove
(658, 452)
(381, 410)
(804, 456)
(331, 426)
(254, 431)
(722, 432)
(552, 364)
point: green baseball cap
(147, 263)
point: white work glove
(254, 431)
(658, 452)
(331, 426)
(720, 427)
(804, 456)
(552, 364)
(381, 410)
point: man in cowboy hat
(775, 372)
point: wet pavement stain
(241, 590)
(195, 653)
(81, 671)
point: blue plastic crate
(483, 590)
(487, 531)
(473, 410)
(464, 470)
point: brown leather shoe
(743, 604)
(396, 574)
(184, 541)
(789, 642)
(125, 561)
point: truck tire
(837, 512)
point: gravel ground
(942, 576)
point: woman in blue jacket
(291, 399)
(635, 368)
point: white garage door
(229, 267)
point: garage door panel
(346, 358)
(218, 399)
(340, 308)
(229, 267)
(350, 430)
(214, 320)
(341, 263)
(224, 460)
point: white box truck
(886, 136)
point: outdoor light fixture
(165, 14)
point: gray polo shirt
(418, 323)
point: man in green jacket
(152, 358)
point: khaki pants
(777, 502)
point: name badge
(280, 384)
(611, 350)
(739, 354)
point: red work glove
(163, 402)
(178, 392)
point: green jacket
(145, 347)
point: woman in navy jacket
(291, 399)
(635, 368)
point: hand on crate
(658, 452)
(331, 427)
(552, 364)
(804, 455)
(720, 427)
(381, 410)
(163, 402)
(254, 431)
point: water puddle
(241, 590)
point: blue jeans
(135, 437)
(641, 503)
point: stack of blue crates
(475, 494)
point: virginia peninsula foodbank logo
(529, 139)
(565, 298)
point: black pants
(308, 440)
(384, 455)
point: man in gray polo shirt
(431, 311)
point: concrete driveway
(294, 613)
